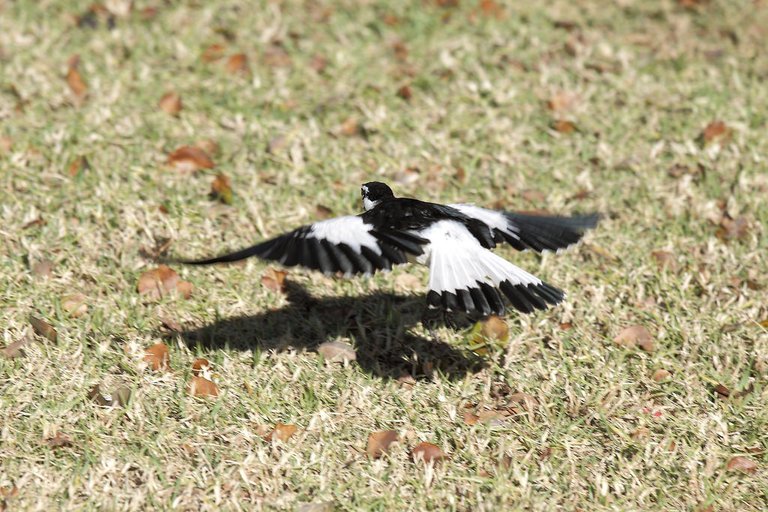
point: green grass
(647, 78)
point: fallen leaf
(275, 56)
(495, 328)
(199, 386)
(561, 101)
(6, 144)
(121, 396)
(282, 432)
(8, 492)
(78, 165)
(59, 441)
(733, 229)
(408, 282)
(406, 380)
(75, 81)
(210, 146)
(665, 259)
(170, 103)
(43, 328)
(533, 196)
(471, 418)
(221, 188)
(75, 305)
(716, 132)
(379, 442)
(171, 324)
(427, 452)
(158, 281)
(661, 375)
(237, 64)
(400, 51)
(405, 92)
(277, 144)
(318, 63)
(212, 53)
(565, 326)
(635, 335)
(42, 268)
(641, 433)
(200, 365)
(323, 212)
(407, 176)
(158, 357)
(274, 280)
(742, 464)
(337, 351)
(100, 397)
(491, 8)
(15, 349)
(722, 390)
(563, 126)
(189, 159)
(350, 127)
(184, 288)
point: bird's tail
(547, 233)
(475, 280)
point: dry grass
(640, 81)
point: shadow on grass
(379, 324)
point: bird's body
(455, 241)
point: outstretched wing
(537, 232)
(343, 244)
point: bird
(455, 241)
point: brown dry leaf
(491, 8)
(98, 396)
(158, 282)
(158, 357)
(43, 328)
(189, 159)
(15, 349)
(742, 464)
(198, 386)
(200, 365)
(400, 50)
(75, 81)
(716, 132)
(471, 418)
(427, 452)
(733, 229)
(665, 259)
(722, 390)
(221, 188)
(563, 126)
(275, 56)
(213, 53)
(6, 144)
(635, 336)
(561, 101)
(78, 165)
(237, 64)
(323, 212)
(274, 280)
(119, 397)
(350, 127)
(495, 328)
(282, 432)
(318, 63)
(59, 441)
(379, 442)
(210, 146)
(337, 351)
(75, 305)
(661, 375)
(641, 434)
(42, 268)
(407, 176)
(184, 288)
(407, 282)
(170, 103)
(405, 92)
(533, 196)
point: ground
(650, 112)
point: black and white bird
(454, 240)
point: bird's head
(373, 193)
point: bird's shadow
(380, 325)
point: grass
(646, 78)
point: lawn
(117, 120)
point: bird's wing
(343, 244)
(537, 232)
(463, 275)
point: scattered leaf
(406, 380)
(601, 252)
(75, 81)
(274, 280)
(43, 328)
(158, 357)
(665, 260)
(59, 441)
(237, 64)
(487, 334)
(184, 288)
(42, 268)
(98, 396)
(405, 92)
(563, 126)
(189, 159)
(170, 103)
(471, 418)
(213, 53)
(200, 365)
(75, 305)
(427, 452)
(158, 281)
(171, 324)
(350, 127)
(323, 212)
(275, 56)
(6, 144)
(318, 63)
(199, 386)
(491, 8)
(733, 229)
(722, 390)
(77, 165)
(407, 176)
(408, 282)
(282, 432)
(661, 375)
(400, 51)
(221, 188)
(121, 396)
(641, 434)
(337, 351)
(716, 132)
(742, 465)
(561, 101)
(635, 336)
(210, 146)
(15, 349)
(379, 442)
